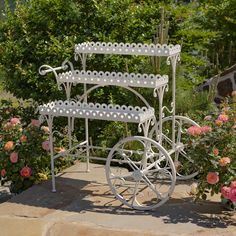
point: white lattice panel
(127, 48)
(113, 78)
(97, 111)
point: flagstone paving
(83, 205)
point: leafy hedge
(44, 32)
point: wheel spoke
(178, 140)
(122, 177)
(131, 164)
(151, 186)
(135, 192)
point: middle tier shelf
(113, 78)
(98, 111)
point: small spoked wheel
(185, 167)
(140, 173)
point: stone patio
(84, 205)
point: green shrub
(213, 149)
(45, 32)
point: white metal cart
(141, 170)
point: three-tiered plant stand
(141, 170)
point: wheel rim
(144, 175)
(185, 168)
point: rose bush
(24, 149)
(213, 149)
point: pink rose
(233, 184)
(35, 123)
(223, 118)
(14, 157)
(7, 126)
(225, 191)
(232, 194)
(194, 130)
(212, 178)
(224, 161)
(46, 145)
(25, 172)
(15, 121)
(23, 138)
(8, 146)
(215, 151)
(205, 129)
(3, 172)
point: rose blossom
(225, 191)
(205, 129)
(3, 172)
(25, 172)
(7, 126)
(14, 157)
(193, 189)
(233, 184)
(46, 145)
(194, 130)
(218, 122)
(8, 146)
(223, 117)
(35, 123)
(15, 121)
(232, 194)
(23, 138)
(59, 149)
(45, 129)
(216, 151)
(212, 178)
(224, 161)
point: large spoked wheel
(185, 167)
(140, 173)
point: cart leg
(50, 121)
(87, 145)
(53, 175)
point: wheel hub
(180, 146)
(137, 175)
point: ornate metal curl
(159, 92)
(145, 126)
(173, 59)
(83, 58)
(44, 69)
(167, 109)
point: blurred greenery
(39, 32)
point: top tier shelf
(128, 49)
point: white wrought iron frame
(143, 116)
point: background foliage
(37, 32)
